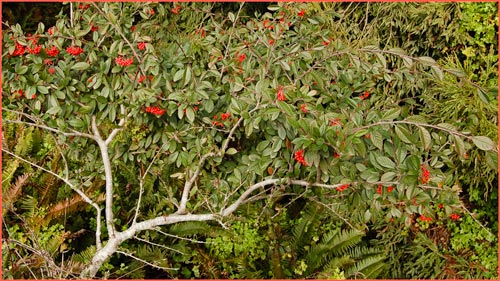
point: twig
(143, 261)
(181, 238)
(141, 184)
(158, 245)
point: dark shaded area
(29, 14)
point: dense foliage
(304, 140)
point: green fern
(367, 268)
(24, 142)
(309, 222)
(11, 194)
(85, 256)
(8, 171)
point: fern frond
(359, 252)
(10, 195)
(85, 256)
(367, 268)
(333, 264)
(310, 220)
(8, 171)
(29, 204)
(68, 206)
(345, 240)
(24, 143)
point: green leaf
(385, 162)
(367, 216)
(459, 146)
(77, 123)
(190, 114)
(53, 110)
(427, 61)
(483, 143)
(389, 176)
(482, 96)
(231, 16)
(437, 72)
(425, 137)
(403, 134)
(187, 77)
(209, 106)
(178, 75)
(80, 66)
(377, 139)
(238, 84)
(231, 151)
(21, 69)
(360, 133)
(391, 114)
(456, 72)
(417, 119)
(42, 89)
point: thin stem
(158, 245)
(189, 184)
(74, 134)
(120, 125)
(143, 261)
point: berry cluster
(141, 46)
(223, 117)
(124, 62)
(424, 218)
(74, 51)
(389, 189)
(365, 95)
(425, 174)
(35, 50)
(299, 156)
(281, 94)
(19, 50)
(454, 217)
(155, 110)
(176, 10)
(52, 52)
(343, 187)
(241, 58)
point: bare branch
(95, 129)
(159, 245)
(181, 238)
(189, 184)
(141, 183)
(143, 261)
(75, 133)
(120, 126)
(109, 186)
(331, 209)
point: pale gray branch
(189, 184)
(120, 126)
(143, 261)
(75, 133)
